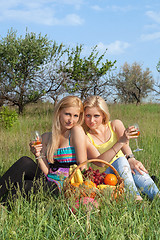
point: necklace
(104, 135)
(98, 138)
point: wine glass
(36, 138)
(137, 134)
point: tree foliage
(158, 66)
(23, 64)
(52, 76)
(86, 75)
(132, 83)
(33, 66)
(156, 88)
(7, 117)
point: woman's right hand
(129, 133)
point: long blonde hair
(100, 103)
(66, 102)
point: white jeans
(136, 181)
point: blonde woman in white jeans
(103, 135)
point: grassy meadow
(47, 217)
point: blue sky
(130, 29)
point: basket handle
(95, 160)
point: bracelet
(37, 158)
(114, 150)
(130, 156)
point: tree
(23, 65)
(132, 83)
(158, 66)
(86, 75)
(156, 88)
(52, 75)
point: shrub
(7, 117)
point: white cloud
(45, 17)
(114, 48)
(71, 19)
(76, 3)
(97, 8)
(7, 5)
(154, 15)
(150, 37)
(151, 26)
(36, 3)
(39, 11)
(116, 8)
(113, 8)
(40, 16)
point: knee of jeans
(127, 174)
(123, 163)
(143, 178)
(126, 169)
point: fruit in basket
(110, 179)
(70, 172)
(77, 177)
(75, 184)
(94, 175)
(89, 184)
(103, 186)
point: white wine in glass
(137, 134)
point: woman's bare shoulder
(45, 137)
(118, 126)
(77, 129)
(116, 123)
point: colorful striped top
(63, 159)
(65, 155)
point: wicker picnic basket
(116, 192)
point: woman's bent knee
(26, 162)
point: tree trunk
(20, 108)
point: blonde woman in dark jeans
(59, 149)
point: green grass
(47, 217)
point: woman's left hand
(35, 149)
(136, 165)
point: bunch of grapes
(94, 175)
